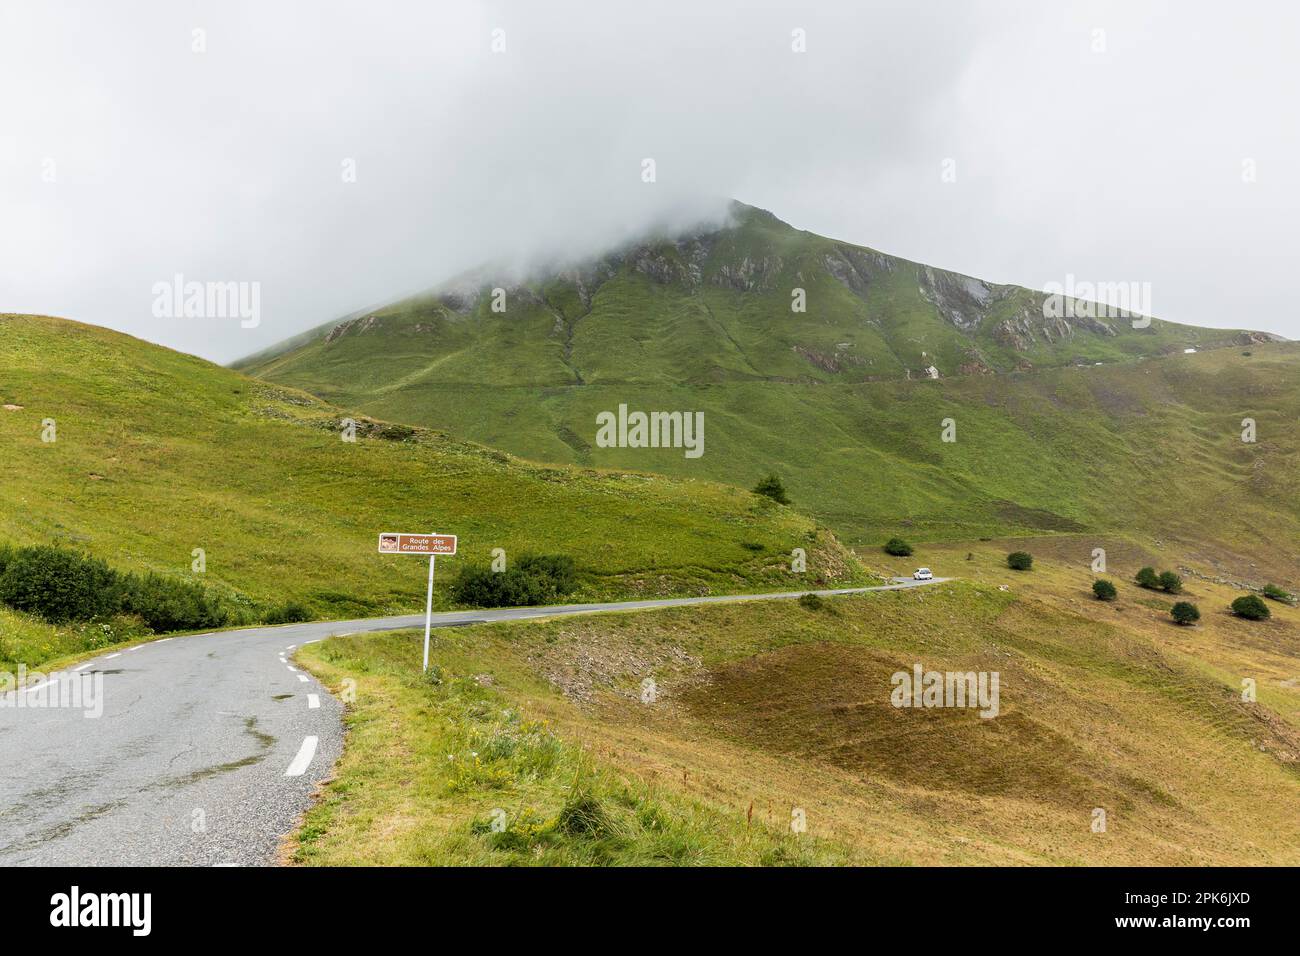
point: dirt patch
(831, 703)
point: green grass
(432, 763)
(158, 454)
(766, 707)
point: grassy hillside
(704, 324)
(158, 453)
(764, 709)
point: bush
(1251, 607)
(1185, 613)
(1170, 582)
(535, 579)
(168, 604)
(60, 585)
(772, 488)
(291, 612)
(812, 602)
(1105, 590)
(1020, 560)
(1270, 590)
(898, 547)
(1148, 578)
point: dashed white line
(291, 647)
(41, 685)
(82, 667)
(303, 760)
(111, 656)
(292, 670)
(313, 701)
(163, 640)
(303, 678)
(136, 648)
(313, 641)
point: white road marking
(163, 641)
(83, 666)
(292, 670)
(111, 656)
(136, 648)
(303, 760)
(313, 701)
(291, 647)
(313, 641)
(40, 686)
(303, 678)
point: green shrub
(535, 579)
(291, 612)
(1171, 582)
(60, 585)
(1270, 591)
(556, 572)
(1148, 578)
(1105, 590)
(1251, 607)
(168, 604)
(1185, 613)
(812, 602)
(772, 487)
(1020, 560)
(898, 547)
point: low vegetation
(1104, 590)
(772, 487)
(534, 579)
(1020, 560)
(1278, 594)
(1251, 607)
(1184, 612)
(898, 547)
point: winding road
(208, 747)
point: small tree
(1171, 582)
(1185, 613)
(1020, 560)
(1251, 607)
(1148, 578)
(1104, 590)
(898, 547)
(771, 487)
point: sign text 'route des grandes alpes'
(392, 543)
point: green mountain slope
(157, 454)
(1151, 448)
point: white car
(922, 574)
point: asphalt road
(208, 747)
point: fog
(340, 155)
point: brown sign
(392, 543)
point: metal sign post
(428, 614)
(430, 544)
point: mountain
(837, 399)
(156, 454)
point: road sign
(393, 543)
(431, 544)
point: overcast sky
(1126, 142)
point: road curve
(208, 746)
